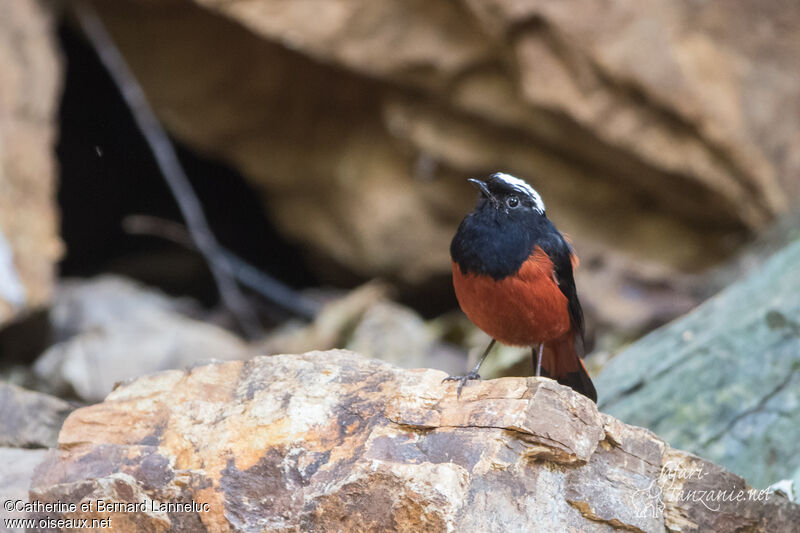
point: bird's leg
(539, 360)
(473, 374)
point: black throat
(495, 243)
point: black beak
(484, 189)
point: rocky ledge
(331, 441)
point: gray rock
(30, 419)
(393, 333)
(366, 321)
(80, 305)
(16, 470)
(723, 381)
(121, 331)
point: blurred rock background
(329, 142)
(660, 134)
(30, 87)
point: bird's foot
(462, 381)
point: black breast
(491, 244)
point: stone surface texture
(110, 329)
(359, 120)
(30, 419)
(16, 469)
(331, 441)
(723, 381)
(30, 77)
(366, 321)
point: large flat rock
(724, 380)
(331, 441)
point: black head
(509, 195)
(501, 232)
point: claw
(462, 381)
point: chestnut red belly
(522, 309)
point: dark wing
(560, 252)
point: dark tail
(560, 362)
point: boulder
(723, 381)
(29, 91)
(81, 305)
(16, 469)
(393, 333)
(111, 329)
(642, 124)
(30, 419)
(331, 327)
(366, 321)
(332, 441)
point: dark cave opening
(107, 173)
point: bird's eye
(512, 202)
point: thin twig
(248, 275)
(167, 160)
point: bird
(513, 278)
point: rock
(752, 256)
(326, 172)
(16, 471)
(394, 334)
(29, 87)
(723, 381)
(786, 487)
(332, 325)
(573, 60)
(30, 419)
(331, 441)
(664, 121)
(366, 321)
(81, 305)
(117, 330)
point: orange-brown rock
(30, 76)
(331, 441)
